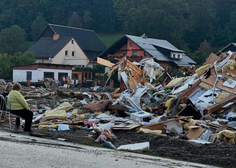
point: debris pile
(199, 108)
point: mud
(170, 147)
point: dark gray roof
(149, 43)
(152, 46)
(87, 39)
(184, 62)
(45, 47)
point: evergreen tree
(12, 40)
(75, 20)
(87, 20)
(38, 26)
(7, 61)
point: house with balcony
(136, 48)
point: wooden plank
(154, 127)
(117, 107)
(104, 62)
(221, 127)
(188, 91)
(194, 133)
(132, 83)
(124, 127)
(157, 125)
(217, 106)
(212, 58)
(211, 80)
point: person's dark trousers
(27, 115)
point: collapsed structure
(198, 108)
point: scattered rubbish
(199, 107)
(61, 139)
(135, 147)
(63, 127)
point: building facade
(39, 71)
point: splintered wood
(137, 73)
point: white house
(39, 71)
(59, 44)
(57, 50)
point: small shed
(39, 71)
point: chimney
(144, 35)
(55, 37)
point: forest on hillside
(196, 26)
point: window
(75, 76)
(66, 53)
(124, 54)
(173, 55)
(131, 44)
(49, 75)
(73, 53)
(62, 74)
(28, 75)
(72, 41)
(135, 53)
(145, 53)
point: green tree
(38, 26)
(202, 53)
(87, 20)
(7, 61)
(75, 20)
(158, 19)
(202, 16)
(12, 40)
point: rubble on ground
(199, 108)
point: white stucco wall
(20, 75)
(78, 59)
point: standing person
(66, 79)
(75, 83)
(84, 83)
(20, 107)
(68, 82)
(63, 79)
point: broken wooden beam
(117, 107)
(217, 106)
(188, 91)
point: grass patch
(109, 39)
(89, 143)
